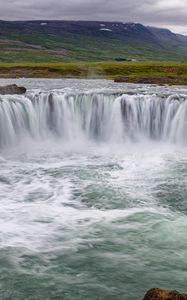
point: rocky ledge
(12, 89)
(160, 80)
(159, 294)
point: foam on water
(93, 205)
(101, 116)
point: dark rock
(12, 89)
(159, 294)
(160, 80)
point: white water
(93, 189)
(106, 117)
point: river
(93, 190)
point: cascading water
(97, 116)
(93, 189)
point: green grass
(40, 45)
(101, 70)
(29, 42)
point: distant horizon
(99, 21)
(171, 14)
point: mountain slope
(71, 41)
(170, 40)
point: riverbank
(135, 72)
(160, 80)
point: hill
(75, 41)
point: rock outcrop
(12, 89)
(160, 80)
(159, 294)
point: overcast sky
(161, 13)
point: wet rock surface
(159, 294)
(12, 89)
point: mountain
(71, 41)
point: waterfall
(95, 116)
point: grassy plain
(108, 70)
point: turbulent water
(93, 190)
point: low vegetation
(83, 41)
(165, 72)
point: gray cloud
(163, 13)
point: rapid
(93, 190)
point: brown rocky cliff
(159, 294)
